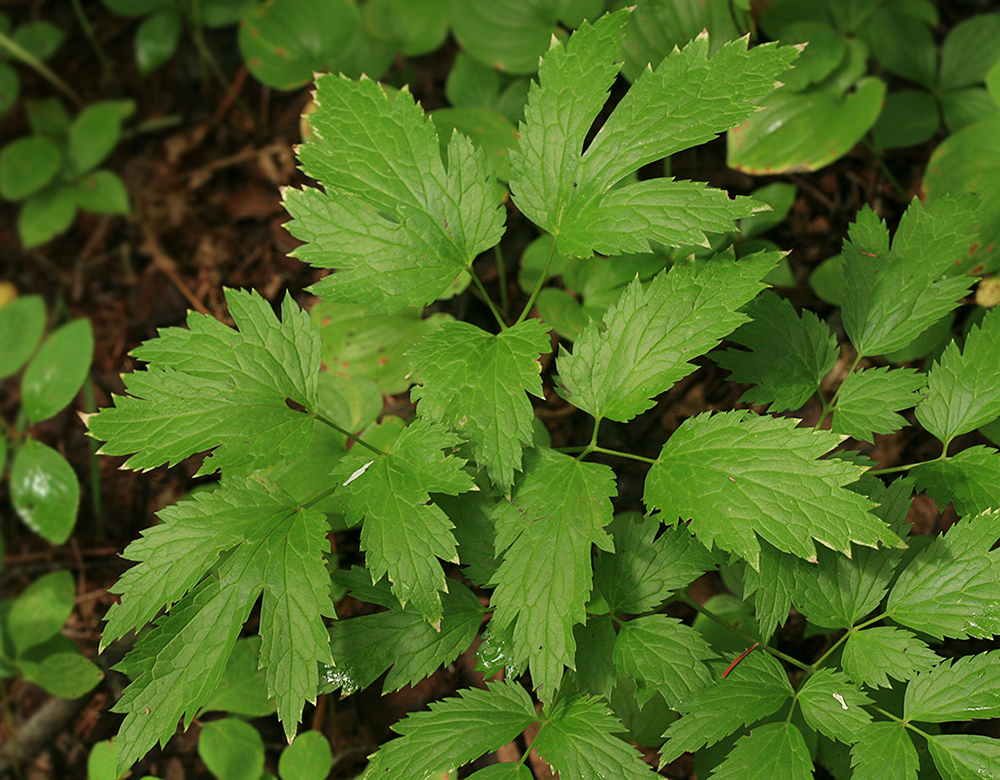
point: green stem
(345, 432)
(31, 60)
(905, 467)
(88, 30)
(486, 298)
(629, 455)
(538, 285)
(829, 406)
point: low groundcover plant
(470, 480)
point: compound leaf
(965, 756)
(969, 480)
(769, 751)
(739, 477)
(884, 751)
(648, 336)
(875, 654)
(893, 295)
(833, 706)
(475, 383)
(558, 509)
(869, 401)
(967, 689)
(209, 386)
(397, 222)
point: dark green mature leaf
(833, 706)
(786, 370)
(652, 331)
(558, 509)
(884, 751)
(22, 322)
(970, 480)
(964, 387)
(211, 386)
(967, 689)
(892, 295)
(687, 100)
(472, 515)
(951, 589)
(769, 751)
(398, 223)
(873, 655)
(577, 740)
(475, 383)
(965, 756)
(403, 533)
(771, 585)
(454, 732)
(739, 477)
(595, 660)
(869, 401)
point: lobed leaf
(769, 751)
(968, 480)
(965, 756)
(875, 654)
(884, 751)
(834, 706)
(869, 401)
(966, 689)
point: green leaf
(833, 706)
(557, 510)
(415, 28)
(398, 224)
(909, 117)
(403, 533)
(645, 569)
(873, 655)
(769, 751)
(754, 689)
(966, 689)
(968, 480)
(210, 386)
(787, 371)
(884, 751)
(231, 749)
(95, 133)
(472, 515)
(595, 663)
(869, 401)
(965, 756)
(10, 87)
(475, 383)
(904, 46)
(46, 214)
(487, 129)
(969, 51)
(309, 757)
(504, 771)
(156, 39)
(664, 656)
(44, 491)
(952, 587)
(102, 761)
(892, 295)
(41, 610)
(738, 476)
(39, 38)
(454, 732)
(687, 100)
(58, 666)
(780, 196)
(577, 740)
(27, 165)
(964, 387)
(771, 585)
(243, 687)
(652, 332)
(55, 374)
(22, 323)
(102, 192)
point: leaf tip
(85, 418)
(703, 35)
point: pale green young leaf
(403, 533)
(786, 371)
(965, 756)
(970, 480)
(875, 654)
(664, 656)
(964, 386)
(966, 689)
(869, 401)
(651, 333)
(952, 588)
(397, 223)
(687, 100)
(754, 689)
(738, 476)
(475, 383)
(893, 295)
(209, 386)
(769, 751)
(558, 509)
(577, 739)
(644, 569)
(884, 751)
(834, 706)
(454, 732)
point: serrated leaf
(652, 332)
(769, 751)
(645, 569)
(833, 706)
(475, 383)
(577, 740)
(869, 401)
(965, 756)
(739, 477)
(403, 533)
(664, 656)
(884, 751)
(558, 509)
(595, 664)
(873, 655)
(754, 689)
(969, 480)
(892, 295)
(771, 585)
(966, 689)
(787, 371)
(454, 732)
(687, 100)
(209, 386)
(952, 588)
(397, 222)
(964, 387)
